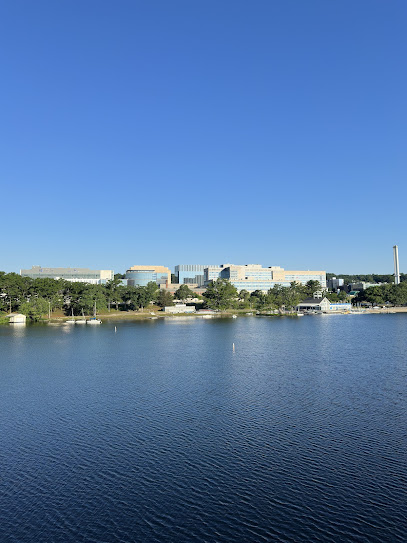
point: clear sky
(168, 132)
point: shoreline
(154, 315)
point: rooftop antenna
(396, 265)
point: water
(161, 433)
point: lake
(160, 432)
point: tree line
(221, 294)
(383, 294)
(367, 278)
(43, 296)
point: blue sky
(269, 132)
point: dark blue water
(161, 433)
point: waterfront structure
(340, 306)
(140, 276)
(191, 274)
(16, 318)
(396, 265)
(75, 275)
(179, 308)
(314, 304)
(253, 277)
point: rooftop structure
(75, 275)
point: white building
(314, 304)
(16, 318)
(180, 308)
(75, 275)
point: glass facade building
(140, 276)
(190, 273)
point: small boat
(70, 321)
(94, 320)
(300, 314)
(82, 320)
(234, 316)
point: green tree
(220, 294)
(183, 293)
(151, 291)
(50, 289)
(276, 293)
(244, 295)
(311, 287)
(165, 298)
(112, 291)
(258, 300)
(343, 296)
(292, 295)
(35, 308)
(89, 297)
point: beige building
(253, 277)
(141, 275)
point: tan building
(253, 277)
(142, 275)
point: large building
(140, 276)
(253, 277)
(191, 274)
(75, 275)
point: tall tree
(220, 294)
(165, 298)
(311, 287)
(183, 293)
(35, 308)
(111, 288)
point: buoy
(233, 345)
(115, 329)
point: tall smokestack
(396, 265)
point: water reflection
(297, 436)
(18, 329)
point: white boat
(234, 316)
(70, 321)
(94, 320)
(300, 314)
(82, 320)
